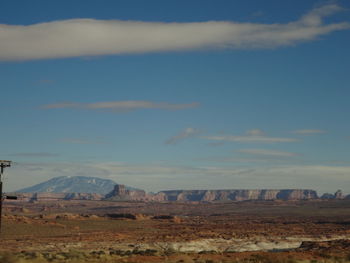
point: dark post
(1, 200)
(3, 164)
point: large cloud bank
(90, 37)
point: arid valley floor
(103, 231)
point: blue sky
(177, 94)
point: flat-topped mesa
(120, 192)
(239, 195)
(337, 195)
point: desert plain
(131, 231)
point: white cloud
(265, 152)
(91, 37)
(187, 133)
(309, 131)
(121, 106)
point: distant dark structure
(337, 195)
(3, 165)
(34, 198)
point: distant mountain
(73, 184)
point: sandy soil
(170, 232)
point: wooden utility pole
(3, 165)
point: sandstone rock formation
(83, 196)
(337, 195)
(327, 196)
(123, 193)
(44, 196)
(239, 195)
(120, 193)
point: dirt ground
(101, 231)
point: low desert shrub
(7, 258)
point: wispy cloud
(35, 154)
(250, 160)
(309, 131)
(215, 144)
(91, 37)
(82, 141)
(255, 132)
(251, 136)
(121, 106)
(187, 133)
(268, 153)
(252, 139)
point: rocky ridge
(337, 195)
(121, 193)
